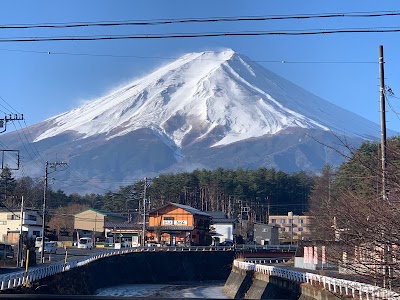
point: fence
(335, 285)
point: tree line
(262, 190)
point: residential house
(223, 228)
(291, 227)
(266, 234)
(10, 224)
(91, 222)
(178, 224)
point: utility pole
(46, 173)
(386, 248)
(144, 211)
(383, 122)
(8, 118)
(20, 241)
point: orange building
(178, 224)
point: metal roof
(188, 208)
(172, 228)
(226, 221)
(123, 225)
(103, 212)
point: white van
(38, 241)
(85, 243)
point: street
(73, 253)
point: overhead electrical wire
(153, 22)
(283, 61)
(202, 35)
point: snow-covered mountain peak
(223, 95)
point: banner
(305, 255)
(323, 257)
(315, 255)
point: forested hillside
(260, 190)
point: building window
(31, 218)
(36, 233)
(300, 228)
(13, 217)
(283, 221)
(290, 221)
(273, 221)
(265, 230)
(3, 222)
(283, 229)
(301, 221)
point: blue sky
(38, 81)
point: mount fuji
(204, 110)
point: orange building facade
(178, 225)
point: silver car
(49, 247)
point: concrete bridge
(255, 278)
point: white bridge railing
(335, 285)
(15, 279)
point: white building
(10, 224)
(224, 228)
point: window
(3, 222)
(301, 221)
(273, 221)
(36, 233)
(31, 217)
(12, 217)
(283, 221)
(283, 229)
(265, 230)
(300, 228)
(290, 221)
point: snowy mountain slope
(204, 110)
(188, 99)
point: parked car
(38, 241)
(6, 251)
(226, 243)
(49, 247)
(153, 244)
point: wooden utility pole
(383, 122)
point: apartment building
(291, 227)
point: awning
(171, 228)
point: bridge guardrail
(14, 279)
(336, 285)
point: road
(73, 253)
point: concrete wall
(243, 284)
(135, 268)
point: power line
(282, 61)
(203, 35)
(153, 22)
